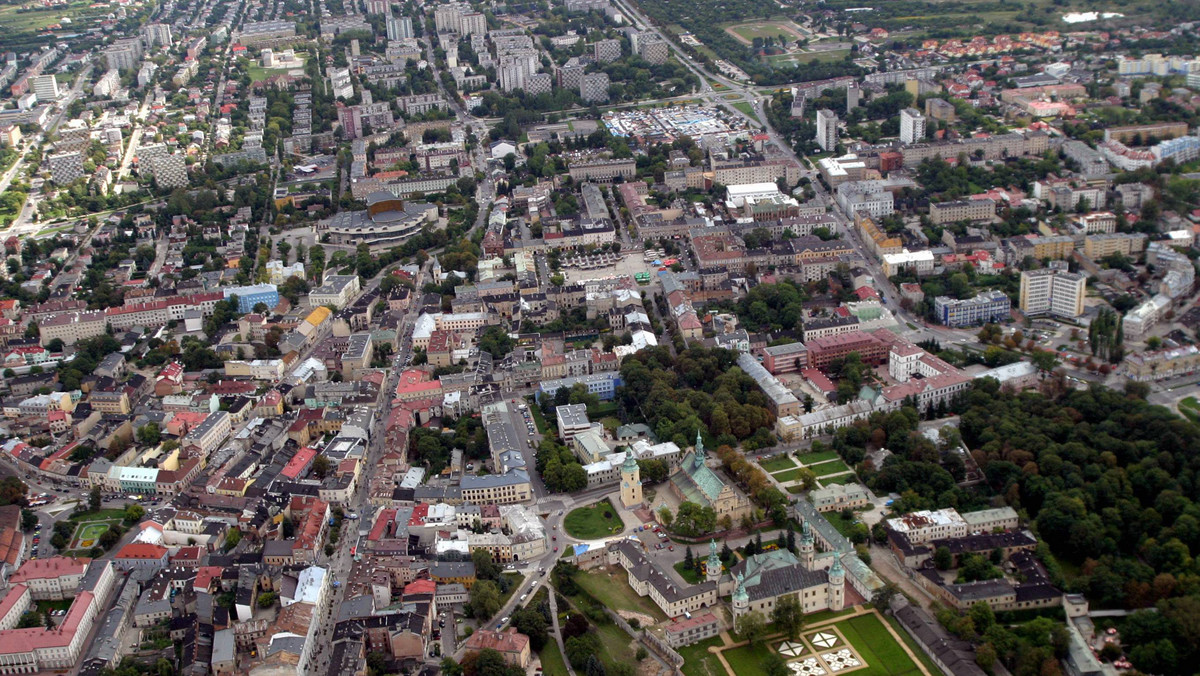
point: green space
(745, 108)
(878, 648)
(824, 615)
(17, 19)
(697, 661)
(538, 418)
(826, 468)
(764, 29)
(689, 575)
(613, 590)
(830, 56)
(1190, 408)
(617, 643)
(552, 660)
(746, 660)
(912, 645)
(839, 479)
(777, 463)
(91, 531)
(593, 522)
(795, 489)
(787, 475)
(841, 524)
(516, 579)
(817, 456)
(46, 606)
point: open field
(1190, 408)
(746, 32)
(746, 661)
(807, 57)
(745, 107)
(552, 660)
(617, 644)
(593, 522)
(610, 586)
(880, 650)
(839, 479)
(817, 456)
(787, 475)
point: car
(671, 548)
(556, 549)
(524, 596)
(554, 537)
(658, 545)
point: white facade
(912, 125)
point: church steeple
(699, 461)
(712, 569)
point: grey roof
(645, 570)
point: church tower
(712, 569)
(807, 547)
(631, 482)
(698, 459)
(741, 598)
(837, 584)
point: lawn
(746, 660)
(617, 644)
(538, 418)
(839, 479)
(777, 464)
(516, 579)
(593, 522)
(763, 29)
(697, 661)
(808, 57)
(1190, 408)
(91, 525)
(552, 660)
(817, 456)
(787, 475)
(842, 525)
(47, 606)
(745, 108)
(827, 468)
(610, 586)
(689, 575)
(883, 654)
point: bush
(641, 653)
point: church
(694, 481)
(761, 580)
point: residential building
(912, 125)
(962, 210)
(827, 132)
(1051, 291)
(989, 306)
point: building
(250, 296)
(607, 50)
(827, 132)
(962, 210)
(694, 481)
(989, 306)
(631, 483)
(786, 358)
(593, 87)
(836, 497)
(603, 171)
(822, 352)
(1141, 319)
(66, 167)
(940, 109)
(924, 526)
(646, 578)
(779, 398)
(336, 291)
(1055, 292)
(764, 579)
(572, 421)
(388, 221)
(169, 171)
(399, 28)
(514, 647)
(652, 48)
(912, 125)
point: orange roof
(141, 551)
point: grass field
(787, 475)
(777, 464)
(746, 32)
(839, 479)
(689, 575)
(1190, 408)
(553, 663)
(883, 654)
(842, 525)
(746, 661)
(744, 107)
(807, 57)
(826, 468)
(617, 644)
(697, 661)
(538, 418)
(92, 525)
(817, 456)
(593, 522)
(610, 586)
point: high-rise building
(399, 27)
(652, 47)
(827, 133)
(593, 87)
(157, 34)
(45, 86)
(853, 94)
(65, 167)
(912, 125)
(170, 171)
(1056, 292)
(514, 70)
(377, 6)
(124, 54)
(607, 50)
(472, 23)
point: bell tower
(712, 569)
(631, 482)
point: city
(599, 338)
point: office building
(157, 34)
(45, 86)
(827, 133)
(989, 306)
(169, 171)
(912, 125)
(249, 296)
(1055, 292)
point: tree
(689, 560)
(942, 558)
(29, 520)
(94, 499)
(752, 626)
(486, 567)
(149, 434)
(774, 665)
(233, 537)
(321, 466)
(485, 599)
(788, 616)
(267, 599)
(134, 513)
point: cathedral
(694, 481)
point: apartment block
(1054, 292)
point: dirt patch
(642, 618)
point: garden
(593, 522)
